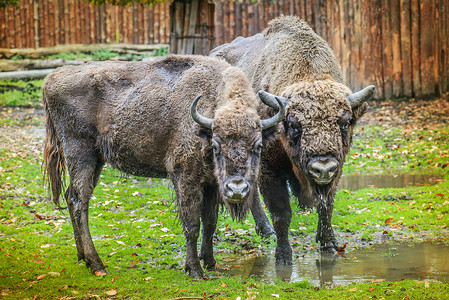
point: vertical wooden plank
(416, 50)
(344, 45)
(151, 25)
(426, 43)
(436, 44)
(187, 11)
(231, 21)
(336, 34)
(191, 29)
(135, 23)
(226, 22)
(92, 33)
(356, 60)
(406, 52)
(3, 28)
(140, 18)
(372, 45)
(23, 37)
(445, 44)
(250, 19)
(219, 22)
(156, 25)
(146, 36)
(164, 18)
(396, 48)
(387, 49)
(238, 18)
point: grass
(136, 232)
(21, 93)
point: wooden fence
(47, 23)
(401, 46)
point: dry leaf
(354, 289)
(111, 292)
(41, 276)
(377, 280)
(40, 262)
(275, 295)
(371, 289)
(147, 278)
(224, 284)
(54, 274)
(388, 221)
(100, 273)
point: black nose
(323, 169)
(237, 189)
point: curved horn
(358, 98)
(269, 99)
(268, 123)
(203, 121)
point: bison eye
(216, 147)
(344, 120)
(257, 148)
(294, 128)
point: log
(25, 75)
(39, 52)
(29, 64)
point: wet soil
(387, 261)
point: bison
(289, 59)
(135, 116)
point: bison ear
(204, 133)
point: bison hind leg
(84, 166)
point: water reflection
(356, 182)
(390, 262)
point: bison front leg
(263, 226)
(325, 234)
(189, 200)
(276, 196)
(209, 216)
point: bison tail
(54, 161)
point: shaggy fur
(291, 60)
(135, 116)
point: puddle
(389, 262)
(357, 182)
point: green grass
(21, 93)
(137, 234)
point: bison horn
(203, 121)
(270, 99)
(358, 98)
(268, 123)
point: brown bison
(290, 59)
(136, 117)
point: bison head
(320, 117)
(236, 134)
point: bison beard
(135, 116)
(290, 60)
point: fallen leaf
(388, 221)
(411, 203)
(147, 278)
(100, 273)
(275, 295)
(377, 280)
(40, 262)
(131, 265)
(54, 274)
(354, 289)
(134, 254)
(440, 195)
(224, 284)
(111, 292)
(41, 276)
(371, 289)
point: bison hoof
(284, 257)
(329, 247)
(265, 231)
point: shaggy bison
(290, 59)
(136, 117)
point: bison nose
(323, 170)
(237, 189)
